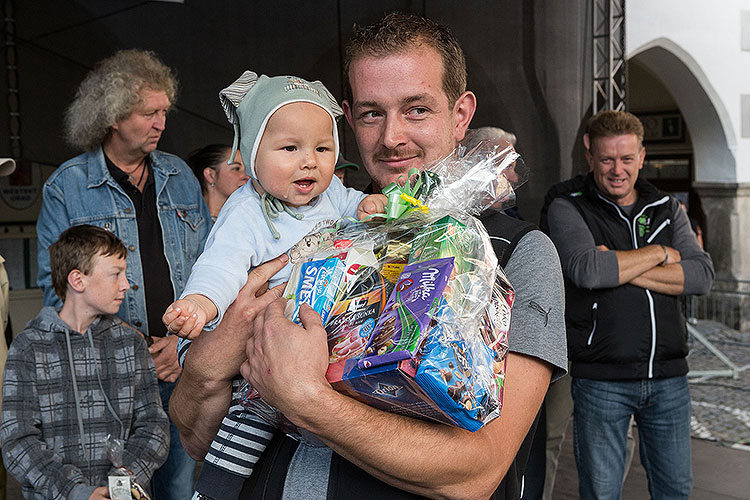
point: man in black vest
(408, 106)
(628, 254)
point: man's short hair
(396, 33)
(76, 248)
(111, 91)
(613, 123)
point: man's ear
(347, 112)
(463, 112)
(76, 280)
(587, 148)
(210, 175)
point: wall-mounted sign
(663, 127)
(21, 189)
(21, 192)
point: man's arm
(287, 365)
(669, 279)
(203, 392)
(688, 268)
(591, 266)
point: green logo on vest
(643, 225)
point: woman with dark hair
(218, 178)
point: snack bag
(459, 379)
(318, 287)
(353, 317)
(408, 313)
(122, 484)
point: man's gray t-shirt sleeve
(697, 266)
(537, 321)
(581, 262)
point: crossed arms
(680, 269)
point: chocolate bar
(353, 316)
(408, 313)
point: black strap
(505, 233)
(267, 480)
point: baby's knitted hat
(250, 101)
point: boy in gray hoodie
(76, 375)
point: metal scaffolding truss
(609, 55)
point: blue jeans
(601, 417)
(174, 480)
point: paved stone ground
(721, 404)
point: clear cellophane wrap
(416, 309)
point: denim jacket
(81, 191)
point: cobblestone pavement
(721, 404)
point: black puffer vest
(626, 332)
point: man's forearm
(434, 460)
(203, 392)
(197, 408)
(633, 263)
(669, 279)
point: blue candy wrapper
(319, 283)
(457, 377)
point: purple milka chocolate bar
(407, 315)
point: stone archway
(725, 202)
(711, 129)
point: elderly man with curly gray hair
(150, 199)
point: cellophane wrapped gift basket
(416, 309)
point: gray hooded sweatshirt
(64, 392)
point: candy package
(352, 320)
(416, 310)
(121, 480)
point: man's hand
(101, 493)
(673, 256)
(164, 353)
(276, 346)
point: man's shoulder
(567, 189)
(170, 162)
(118, 328)
(74, 166)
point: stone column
(727, 239)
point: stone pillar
(727, 239)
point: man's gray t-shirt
(537, 328)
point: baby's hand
(371, 204)
(187, 316)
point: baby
(289, 140)
(288, 137)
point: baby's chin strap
(272, 207)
